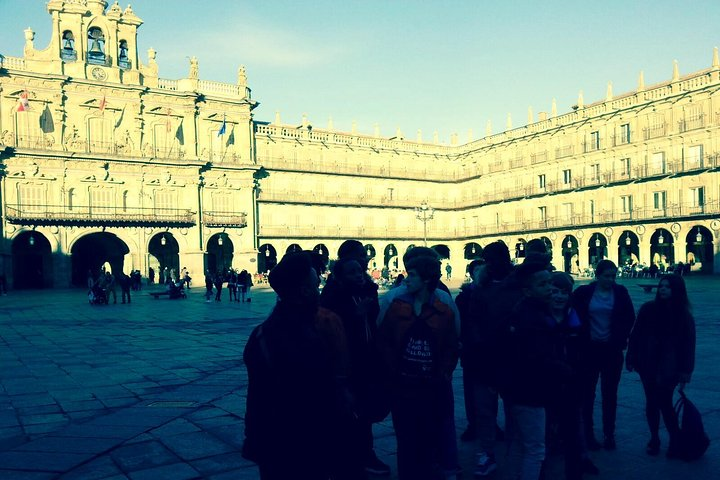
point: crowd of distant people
(326, 365)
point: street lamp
(424, 213)
(163, 241)
(267, 251)
(31, 240)
(627, 239)
(220, 240)
(569, 244)
(661, 239)
(698, 236)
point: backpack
(418, 360)
(693, 441)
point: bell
(95, 48)
(68, 44)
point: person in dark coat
(662, 350)
(351, 293)
(606, 310)
(532, 370)
(297, 374)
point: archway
(662, 250)
(597, 248)
(628, 249)
(442, 250)
(267, 258)
(520, 248)
(390, 257)
(371, 253)
(699, 249)
(323, 251)
(32, 261)
(472, 251)
(220, 251)
(570, 254)
(90, 252)
(548, 245)
(164, 256)
(293, 248)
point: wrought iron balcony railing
(225, 219)
(28, 214)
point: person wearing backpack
(662, 351)
(419, 345)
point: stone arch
(571, 254)
(597, 248)
(89, 252)
(699, 249)
(32, 264)
(164, 256)
(472, 251)
(220, 250)
(628, 249)
(662, 248)
(267, 258)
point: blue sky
(433, 65)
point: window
(657, 164)
(625, 167)
(125, 201)
(164, 200)
(567, 176)
(693, 157)
(541, 181)
(542, 213)
(591, 210)
(32, 197)
(697, 196)
(70, 198)
(594, 140)
(659, 200)
(222, 202)
(567, 210)
(595, 172)
(626, 203)
(625, 133)
(102, 200)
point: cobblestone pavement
(156, 390)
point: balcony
(563, 152)
(97, 216)
(691, 123)
(225, 219)
(654, 131)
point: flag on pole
(101, 107)
(46, 121)
(23, 102)
(120, 118)
(231, 138)
(179, 134)
(168, 125)
(222, 128)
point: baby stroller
(97, 296)
(176, 290)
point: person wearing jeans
(607, 313)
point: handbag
(693, 441)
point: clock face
(98, 73)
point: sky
(446, 66)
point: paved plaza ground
(156, 390)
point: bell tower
(89, 40)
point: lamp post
(424, 213)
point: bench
(157, 295)
(647, 287)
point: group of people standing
(325, 366)
(238, 285)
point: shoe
(609, 443)
(468, 435)
(486, 464)
(592, 444)
(589, 467)
(375, 466)
(653, 447)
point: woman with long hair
(662, 350)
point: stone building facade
(106, 163)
